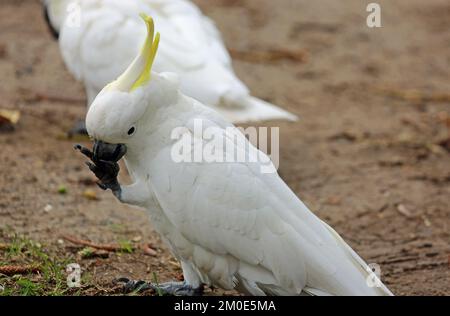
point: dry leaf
(8, 118)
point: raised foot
(169, 288)
(105, 171)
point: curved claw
(102, 186)
(105, 170)
(85, 151)
(121, 280)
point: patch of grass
(126, 246)
(62, 189)
(20, 246)
(28, 287)
(51, 280)
(86, 252)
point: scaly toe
(130, 286)
(179, 289)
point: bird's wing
(232, 209)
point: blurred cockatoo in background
(99, 38)
(229, 224)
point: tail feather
(359, 263)
(251, 109)
(315, 292)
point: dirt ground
(370, 154)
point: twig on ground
(107, 247)
(89, 253)
(12, 270)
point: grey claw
(101, 186)
(134, 286)
(121, 280)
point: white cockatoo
(229, 224)
(100, 38)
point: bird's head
(120, 114)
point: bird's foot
(169, 288)
(105, 171)
(78, 129)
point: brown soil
(370, 154)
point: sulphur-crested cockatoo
(99, 39)
(230, 224)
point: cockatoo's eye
(131, 131)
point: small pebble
(149, 251)
(90, 195)
(48, 208)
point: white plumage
(109, 37)
(229, 224)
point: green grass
(50, 281)
(52, 260)
(126, 246)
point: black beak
(108, 152)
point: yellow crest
(138, 73)
(148, 51)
